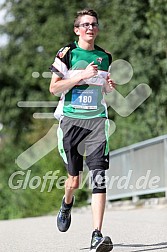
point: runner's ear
(76, 31)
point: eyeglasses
(87, 25)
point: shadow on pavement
(156, 246)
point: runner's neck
(86, 45)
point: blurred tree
(138, 29)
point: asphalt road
(134, 230)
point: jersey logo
(99, 60)
(62, 52)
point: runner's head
(86, 25)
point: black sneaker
(100, 243)
(64, 216)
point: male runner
(80, 74)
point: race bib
(85, 99)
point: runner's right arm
(59, 85)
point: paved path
(131, 231)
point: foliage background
(131, 30)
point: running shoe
(64, 216)
(100, 243)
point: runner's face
(87, 32)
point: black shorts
(79, 138)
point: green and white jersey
(85, 100)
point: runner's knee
(98, 181)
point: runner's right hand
(90, 71)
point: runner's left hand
(110, 84)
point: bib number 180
(85, 98)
